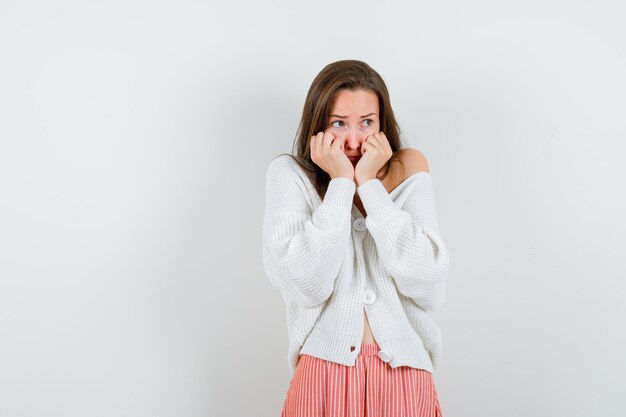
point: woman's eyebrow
(343, 117)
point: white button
(384, 356)
(359, 224)
(370, 297)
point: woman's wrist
(363, 179)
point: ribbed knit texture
(324, 255)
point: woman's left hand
(376, 152)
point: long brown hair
(346, 74)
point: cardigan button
(384, 356)
(359, 224)
(352, 348)
(370, 297)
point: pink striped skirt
(372, 388)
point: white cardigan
(329, 262)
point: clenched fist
(327, 152)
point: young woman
(351, 240)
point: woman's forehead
(347, 103)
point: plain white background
(134, 138)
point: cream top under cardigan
(329, 262)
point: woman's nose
(353, 138)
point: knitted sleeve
(303, 248)
(407, 240)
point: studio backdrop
(134, 142)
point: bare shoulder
(414, 161)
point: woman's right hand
(327, 153)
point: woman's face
(353, 116)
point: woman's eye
(368, 120)
(336, 121)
